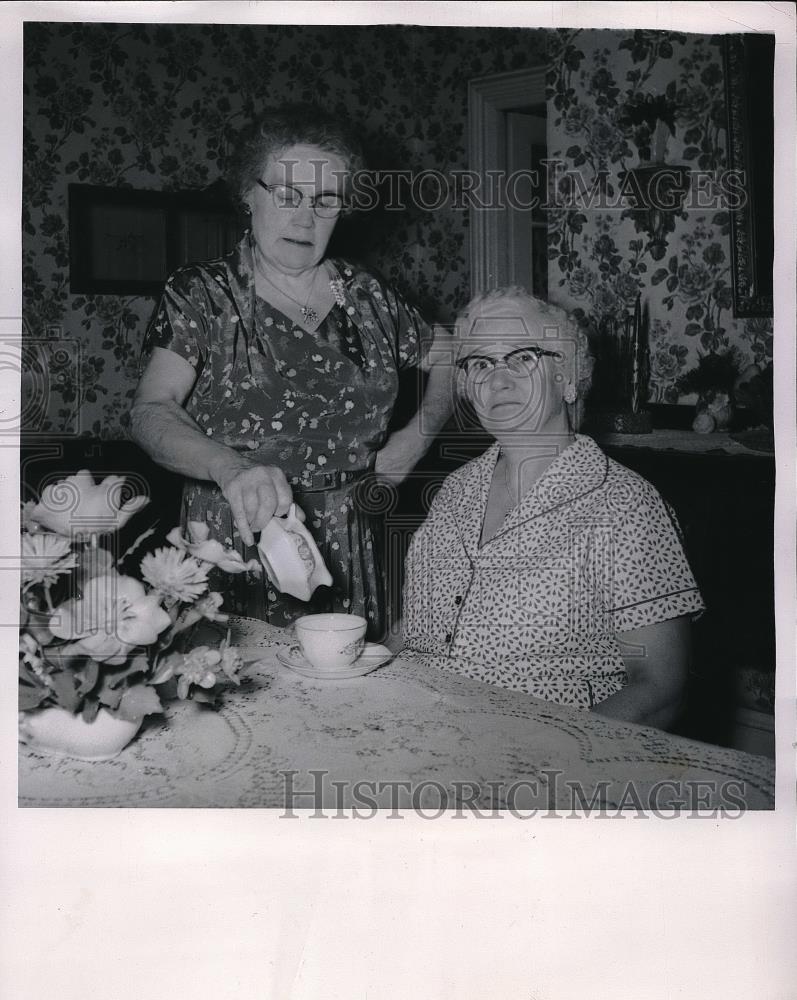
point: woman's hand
(171, 438)
(405, 447)
(399, 455)
(255, 493)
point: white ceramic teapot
(291, 557)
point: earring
(570, 395)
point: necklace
(309, 315)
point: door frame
(488, 98)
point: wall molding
(488, 99)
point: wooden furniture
(724, 496)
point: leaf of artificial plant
(138, 664)
(27, 676)
(107, 695)
(31, 697)
(138, 701)
(90, 710)
(65, 691)
(163, 672)
(139, 541)
(211, 697)
(91, 674)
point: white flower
(195, 668)
(231, 662)
(78, 507)
(115, 616)
(45, 557)
(209, 550)
(174, 574)
(30, 652)
(200, 666)
(207, 607)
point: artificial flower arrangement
(99, 644)
(712, 379)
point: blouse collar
(579, 470)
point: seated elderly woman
(543, 565)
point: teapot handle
(293, 511)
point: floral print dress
(317, 405)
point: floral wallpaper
(158, 106)
(616, 102)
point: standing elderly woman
(544, 566)
(273, 372)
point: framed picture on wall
(749, 82)
(127, 242)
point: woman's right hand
(255, 493)
(171, 437)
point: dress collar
(241, 269)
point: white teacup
(331, 641)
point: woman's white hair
(516, 301)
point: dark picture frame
(124, 241)
(749, 82)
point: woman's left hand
(657, 661)
(399, 455)
(405, 447)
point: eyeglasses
(523, 361)
(325, 206)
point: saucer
(372, 656)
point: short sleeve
(650, 579)
(180, 321)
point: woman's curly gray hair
(292, 125)
(544, 317)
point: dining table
(406, 736)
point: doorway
(507, 143)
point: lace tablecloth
(404, 736)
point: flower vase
(55, 732)
(624, 353)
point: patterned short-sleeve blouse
(591, 551)
(317, 405)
